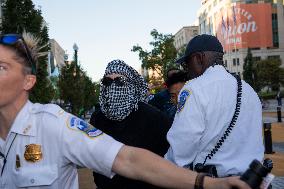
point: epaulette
(52, 109)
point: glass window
(275, 36)
(256, 58)
(273, 57)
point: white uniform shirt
(206, 108)
(65, 140)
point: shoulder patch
(75, 123)
(182, 99)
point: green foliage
(263, 73)
(181, 52)
(19, 16)
(267, 95)
(54, 81)
(76, 89)
(97, 92)
(89, 93)
(248, 68)
(44, 91)
(163, 53)
(270, 74)
(70, 87)
(250, 73)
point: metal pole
(267, 138)
(279, 114)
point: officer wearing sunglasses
(41, 145)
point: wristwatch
(199, 181)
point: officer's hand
(225, 183)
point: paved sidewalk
(278, 183)
(270, 106)
(278, 147)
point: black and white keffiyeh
(117, 102)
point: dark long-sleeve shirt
(145, 128)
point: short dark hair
(173, 69)
(177, 77)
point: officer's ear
(203, 61)
(199, 58)
(29, 82)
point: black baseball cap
(201, 43)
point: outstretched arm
(140, 164)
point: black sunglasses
(119, 81)
(12, 39)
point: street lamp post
(76, 48)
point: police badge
(33, 153)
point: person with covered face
(125, 115)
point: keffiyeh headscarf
(117, 102)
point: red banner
(245, 26)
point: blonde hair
(33, 43)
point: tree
(71, 85)
(43, 91)
(19, 16)
(248, 68)
(249, 73)
(90, 94)
(97, 92)
(162, 56)
(76, 89)
(270, 74)
(181, 51)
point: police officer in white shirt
(42, 145)
(207, 104)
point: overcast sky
(107, 29)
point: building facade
(184, 35)
(243, 24)
(56, 58)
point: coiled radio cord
(233, 122)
